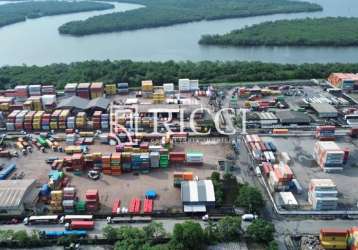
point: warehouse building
(261, 118)
(17, 196)
(197, 196)
(324, 110)
(78, 104)
(287, 117)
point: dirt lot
(128, 185)
(305, 168)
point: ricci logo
(128, 120)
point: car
(249, 217)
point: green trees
(218, 188)
(188, 235)
(272, 245)
(250, 198)
(158, 13)
(261, 231)
(18, 12)
(329, 31)
(229, 229)
(131, 238)
(160, 72)
(20, 239)
(154, 231)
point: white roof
(12, 192)
(198, 191)
(288, 198)
(329, 145)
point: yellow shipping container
(111, 89)
(332, 238)
(334, 245)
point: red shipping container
(148, 206)
(92, 194)
(79, 224)
(116, 206)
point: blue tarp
(150, 194)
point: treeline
(161, 72)
(18, 12)
(330, 31)
(168, 12)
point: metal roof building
(17, 195)
(324, 110)
(197, 196)
(262, 118)
(82, 104)
(292, 117)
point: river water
(37, 41)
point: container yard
(74, 145)
(306, 163)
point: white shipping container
(184, 84)
(194, 85)
(168, 87)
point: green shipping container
(80, 206)
(42, 141)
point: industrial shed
(287, 117)
(197, 196)
(324, 110)
(16, 196)
(78, 104)
(261, 118)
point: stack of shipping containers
(21, 93)
(48, 90)
(158, 96)
(106, 164)
(329, 156)
(168, 89)
(333, 238)
(71, 89)
(97, 90)
(116, 164)
(81, 120)
(63, 119)
(280, 177)
(69, 199)
(11, 119)
(110, 89)
(28, 120)
(147, 89)
(122, 88)
(104, 121)
(35, 90)
(83, 90)
(19, 121)
(326, 133)
(45, 121)
(36, 122)
(56, 201)
(96, 119)
(322, 194)
(92, 200)
(54, 119)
